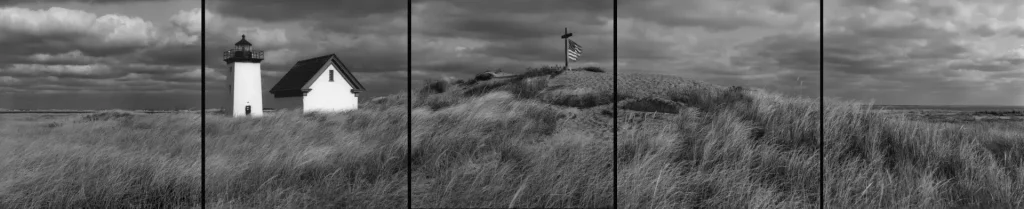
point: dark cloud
(9, 2)
(712, 15)
(772, 44)
(498, 27)
(172, 55)
(58, 43)
(63, 71)
(951, 52)
(528, 6)
(787, 51)
(462, 38)
(53, 52)
(272, 10)
(536, 50)
(709, 23)
(510, 19)
(102, 100)
(645, 49)
(989, 65)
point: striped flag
(574, 51)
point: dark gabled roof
(243, 42)
(296, 81)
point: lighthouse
(244, 89)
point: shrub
(712, 100)
(439, 101)
(434, 87)
(578, 98)
(650, 104)
(592, 69)
(486, 87)
(107, 116)
(528, 88)
(483, 76)
(386, 102)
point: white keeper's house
(318, 84)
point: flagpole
(566, 50)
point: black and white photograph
(99, 104)
(628, 104)
(512, 104)
(719, 104)
(924, 104)
(306, 104)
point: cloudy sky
(938, 52)
(100, 54)
(369, 36)
(770, 44)
(460, 38)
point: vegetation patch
(592, 69)
(578, 97)
(509, 142)
(649, 104)
(435, 87)
(289, 159)
(722, 147)
(93, 163)
(919, 164)
(107, 116)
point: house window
(331, 75)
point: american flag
(574, 51)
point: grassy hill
(688, 144)
(543, 139)
(540, 139)
(109, 159)
(934, 159)
(288, 159)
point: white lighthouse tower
(244, 87)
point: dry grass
(879, 160)
(287, 159)
(1007, 116)
(512, 143)
(720, 147)
(651, 85)
(111, 159)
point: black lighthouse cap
(243, 42)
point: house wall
(246, 89)
(329, 96)
(288, 103)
